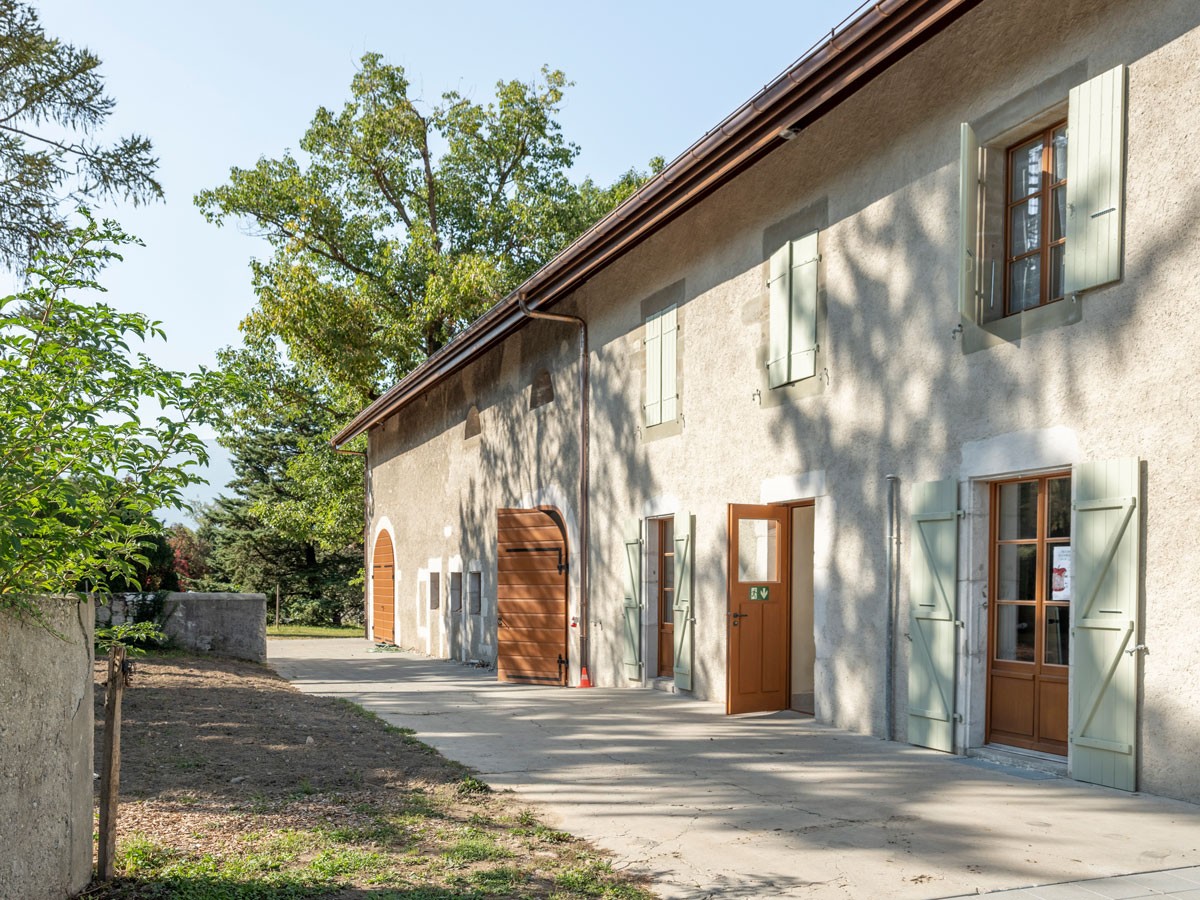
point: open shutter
(780, 298)
(1104, 664)
(654, 370)
(670, 330)
(803, 354)
(968, 228)
(685, 623)
(932, 617)
(633, 601)
(1095, 175)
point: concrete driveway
(759, 806)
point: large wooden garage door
(531, 597)
(383, 589)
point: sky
(220, 84)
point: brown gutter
(823, 78)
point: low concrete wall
(225, 624)
(46, 754)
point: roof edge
(820, 80)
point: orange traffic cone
(584, 681)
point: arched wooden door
(383, 589)
(531, 597)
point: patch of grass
(472, 785)
(596, 879)
(503, 880)
(332, 863)
(476, 845)
(140, 856)
(314, 631)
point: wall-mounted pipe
(893, 566)
(584, 542)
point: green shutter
(968, 229)
(780, 299)
(932, 615)
(669, 331)
(792, 295)
(654, 370)
(803, 354)
(682, 607)
(1095, 175)
(633, 602)
(1104, 605)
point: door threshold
(1021, 758)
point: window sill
(1011, 329)
(663, 430)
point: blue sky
(218, 84)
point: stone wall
(224, 624)
(46, 754)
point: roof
(855, 53)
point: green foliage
(398, 225)
(81, 473)
(135, 637)
(51, 101)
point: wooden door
(383, 589)
(666, 596)
(759, 607)
(531, 597)
(1029, 636)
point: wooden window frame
(665, 596)
(1044, 195)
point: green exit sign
(760, 592)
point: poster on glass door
(1060, 574)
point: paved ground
(767, 805)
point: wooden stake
(276, 606)
(110, 766)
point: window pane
(1058, 270)
(1025, 227)
(474, 593)
(1018, 511)
(1058, 636)
(1018, 572)
(1026, 171)
(435, 590)
(668, 606)
(1014, 632)
(758, 551)
(1058, 213)
(1024, 284)
(1058, 154)
(1058, 510)
(1059, 574)
(456, 591)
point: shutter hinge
(959, 623)
(958, 717)
(961, 513)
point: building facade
(893, 420)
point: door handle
(735, 616)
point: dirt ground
(235, 785)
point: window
(1035, 259)
(456, 592)
(665, 564)
(792, 293)
(1041, 212)
(541, 391)
(435, 590)
(661, 385)
(475, 593)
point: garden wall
(46, 754)
(224, 624)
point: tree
(80, 473)
(383, 249)
(52, 101)
(399, 226)
(190, 554)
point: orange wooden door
(531, 597)
(665, 565)
(759, 608)
(383, 589)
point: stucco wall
(46, 754)
(894, 393)
(225, 624)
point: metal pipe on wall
(584, 542)
(893, 564)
